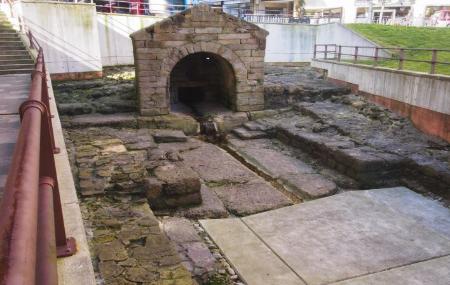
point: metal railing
(377, 55)
(32, 233)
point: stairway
(14, 57)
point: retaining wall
(423, 98)
(68, 34)
(114, 36)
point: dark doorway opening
(203, 83)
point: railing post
(376, 56)
(433, 61)
(401, 59)
(326, 52)
(315, 52)
(339, 53)
(356, 54)
(30, 38)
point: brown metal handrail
(334, 52)
(32, 233)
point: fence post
(401, 59)
(30, 38)
(356, 54)
(376, 56)
(326, 52)
(433, 61)
(315, 52)
(339, 53)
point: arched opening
(203, 82)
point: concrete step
(9, 36)
(6, 29)
(16, 71)
(16, 52)
(9, 61)
(11, 44)
(16, 66)
(16, 58)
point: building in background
(393, 12)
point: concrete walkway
(381, 236)
(14, 89)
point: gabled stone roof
(201, 13)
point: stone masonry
(201, 29)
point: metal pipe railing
(397, 54)
(32, 233)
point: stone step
(246, 134)
(255, 126)
(168, 136)
(369, 166)
(16, 52)
(283, 166)
(16, 66)
(15, 71)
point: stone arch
(159, 47)
(181, 52)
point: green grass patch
(409, 37)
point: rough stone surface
(128, 244)
(158, 48)
(222, 169)
(311, 186)
(250, 198)
(287, 167)
(176, 185)
(114, 93)
(110, 160)
(190, 246)
(286, 85)
(210, 208)
(241, 190)
(363, 142)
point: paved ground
(382, 236)
(13, 91)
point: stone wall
(158, 48)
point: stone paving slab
(298, 176)
(435, 271)
(349, 235)
(256, 263)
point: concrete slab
(255, 262)
(14, 89)
(435, 271)
(379, 236)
